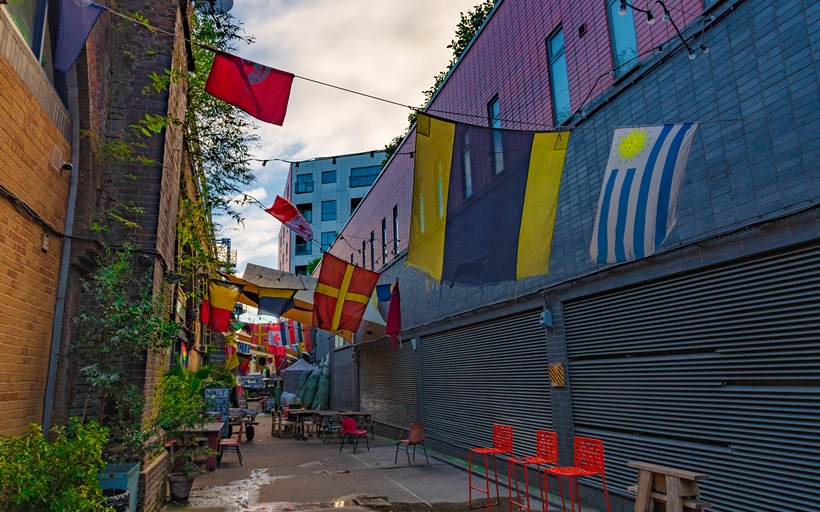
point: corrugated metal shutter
(387, 383)
(492, 372)
(715, 371)
(343, 380)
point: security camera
(67, 166)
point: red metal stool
(546, 454)
(502, 443)
(512, 474)
(589, 461)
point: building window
(364, 253)
(328, 177)
(354, 202)
(328, 210)
(384, 241)
(302, 246)
(29, 16)
(364, 176)
(624, 40)
(304, 183)
(559, 79)
(328, 237)
(494, 118)
(396, 229)
(372, 249)
(301, 270)
(468, 173)
(306, 210)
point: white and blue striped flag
(638, 206)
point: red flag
(284, 211)
(306, 336)
(394, 317)
(260, 91)
(342, 294)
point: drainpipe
(62, 282)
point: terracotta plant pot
(180, 486)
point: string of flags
(470, 183)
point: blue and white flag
(638, 206)
(77, 18)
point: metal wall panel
(387, 383)
(343, 380)
(715, 371)
(491, 372)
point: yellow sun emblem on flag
(632, 144)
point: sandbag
(320, 402)
(310, 388)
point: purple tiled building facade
(702, 356)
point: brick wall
(28, 138)
(153, 484)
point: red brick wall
(28, 275)
(509, 58)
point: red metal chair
(546, 454)
(349, 429)
(589, 461)
(502, 443)
(231, 444)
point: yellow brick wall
(28, 275)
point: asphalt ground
(287, 474)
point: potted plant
(182, 418)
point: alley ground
(292, 475)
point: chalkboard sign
(217, 401)
(216, 357)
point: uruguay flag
(638, 206)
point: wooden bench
(664, 489)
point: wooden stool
(663, 489)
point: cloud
(387, 49)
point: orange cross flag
(341, 295)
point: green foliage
(182, 411)
(219, 136)
(393, 145)
(220, 376)
(123, 323)
(41, 476)
(312, 264)
(466, 29)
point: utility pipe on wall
(65, 261)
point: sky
(386, 48)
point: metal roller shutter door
(387, 383)
(715, 371)
(492, 372)
(342, 380)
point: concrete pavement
(291, 474)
